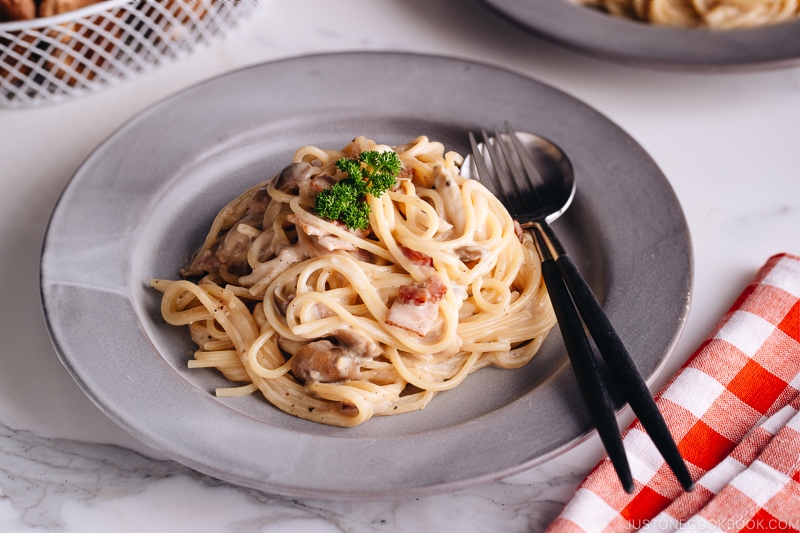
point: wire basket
(50, 59)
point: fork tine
(525, 158)
(516, 175)
(527, 162)
(523, 188)
(484, 174)
(510, 198)
(480, 163)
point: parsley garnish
(372, 173)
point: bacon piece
(416, 307)
(436, 288)
(413, 294)
(417, 258)
(432, 291)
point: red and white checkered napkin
(734, 410)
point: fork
(521, 190)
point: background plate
(595, 33)
(141, 203)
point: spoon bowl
(555, 184)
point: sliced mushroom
(321, 238)
(333, 359)
(293, 177)
(471, 252)
(324, 362)
(263, 274)
(358, 343)
(302, 179)
(446, 185)
(232, 251)
(282, 300)
(229, 251)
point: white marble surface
(728, 142)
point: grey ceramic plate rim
(598, 34)
(104, 242)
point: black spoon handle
(622, 369)
(584, 365)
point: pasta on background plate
(339, 321)
(714, 14)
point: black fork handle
(622, 369)
(584, 365)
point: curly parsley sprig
(372, 173)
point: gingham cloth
(733, 408)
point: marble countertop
(728, 143)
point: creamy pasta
(715, 14)
(338, 325)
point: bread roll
(17, 10)
(48, 8)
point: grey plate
(141, 203)
(590, 31)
